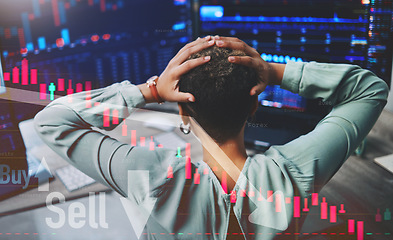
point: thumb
(256, 90)
(184, 97)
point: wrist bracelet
(152, 84)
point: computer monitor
(337, 31)
(2, 84)
(67, 46)
(72, 45)
(9, 138)
(12, 155)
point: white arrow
(267, 216)
(139, 204)
(43, 174)
(262, 213)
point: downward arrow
(138, 206)
(267, 216)
(263, 213)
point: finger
(244, 60)
(190, 64)
(182, 97)
(237, 45)
(233, 39)
(228, 39)
(234, 44)
(197, 41)
(188, 52)
(192, 44)
(250, 62)
(257, 89)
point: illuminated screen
(336, 31)
(2, 85)
(66, 46)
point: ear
(254, 107)
(183, 114)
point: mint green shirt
(181, 209)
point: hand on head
(253, 60)
(179, 65)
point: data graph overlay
(339, 31)
(100, 41)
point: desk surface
(33, 198)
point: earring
(186, 129)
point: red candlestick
(333, 214)
(197, 177)
(314, 199)
(70, 91)
(278, 202)
(224, 182)
(270, 196)
(188, 167)
(133, 137)
(21, 35)
(88, 94)
(151, 144)
(351, 226)
(170, 172)
(124, 129)
(306, 209)
(233, 196)
(296, 206)
(7, 76)
(60, 84)
(243, 193)
(142, 141)
(188, 150)
(55, 9)
(341, 209)
(25, 72)
(106, 117)
(15, 75)
(79, 87)
(88, 85)
(42, 91)
(115, 116)
(360, 231)
(324, 208)
(33, 76)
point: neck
(236, 152)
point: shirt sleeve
(357, 96)
(66, 126)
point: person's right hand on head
(167, 85)
(266, 72)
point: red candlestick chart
(22, 75)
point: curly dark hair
(222, 93)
